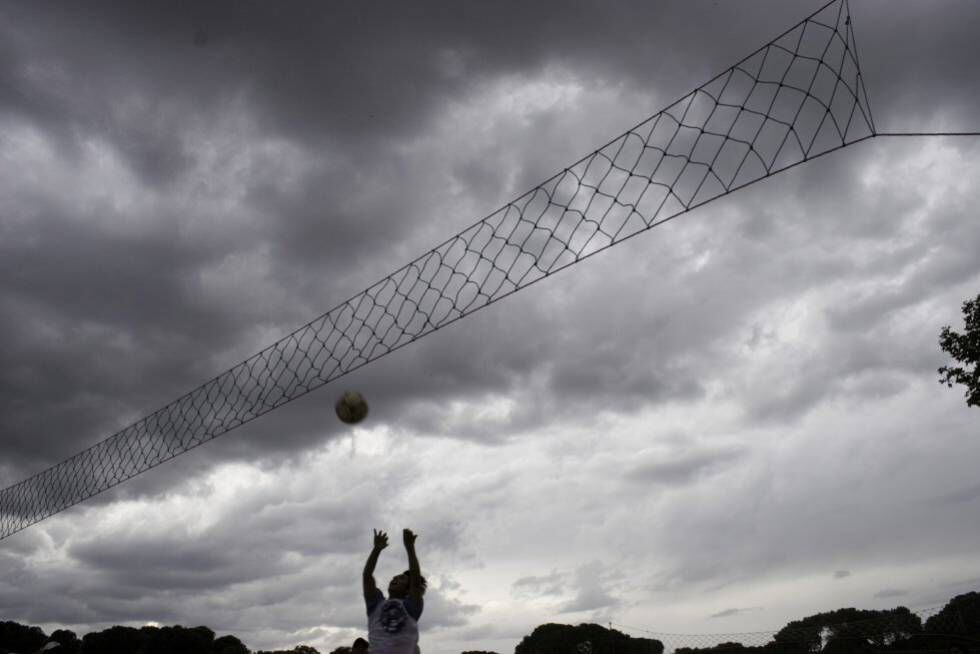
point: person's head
(398, 587)
(360, 646)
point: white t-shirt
(393, 624)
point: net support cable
(796, 98)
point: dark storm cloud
(932, 78)
(842, 574)
(219, 558)
(281, 542)
(71, 325)
(352, 71)
(296, 156)
(319, 78)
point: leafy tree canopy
(961, 615)
(565, 639)
(19, 638)
(855, 625)
(965, 348)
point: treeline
(953, 630)
(20, 639)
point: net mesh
(798, 97)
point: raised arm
(414, 571)
(380, 542)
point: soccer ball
(351, 407)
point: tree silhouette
(961, 615)
(114, 640)
(965, 348)
(19, 638)
(851, 630)
(69, 642)
(722, 648)
(228, 645)
(165, 640)
(567, 639)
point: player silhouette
(393, 622)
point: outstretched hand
(409, 537)
(380, 540)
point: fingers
(407, 533)
(381, 538)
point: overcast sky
(723, 424)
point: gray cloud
(170, 205)
(890, 592)
(962, 496)
(727, 613)
(682, 469)
(305, 228)
(551, 584)
(593, 590)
